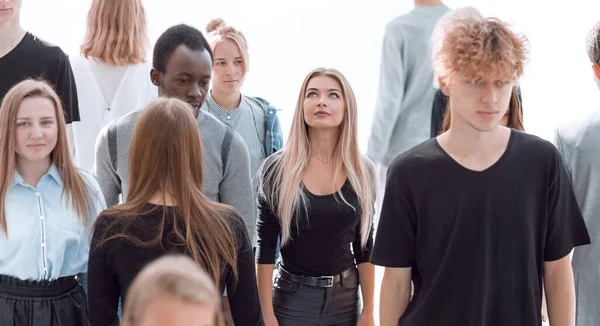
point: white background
(289, 38)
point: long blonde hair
(74, 187)
(282, 173)
(172, 276)
(116, 32)
(171, 162)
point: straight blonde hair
(116, 32)
(74, 187)
(171, 162)
(171, 276)
(281, 173)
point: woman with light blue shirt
(47, 207)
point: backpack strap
(225, 147)
(112, 145)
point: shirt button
(228, 117)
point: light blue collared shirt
(46, 239)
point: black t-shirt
(325, 236)
(477, 241)
(114, 265)
(34, 58)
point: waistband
(13, 286)
(320, 281)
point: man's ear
(444, 86)
(155, 77)
(596, 69)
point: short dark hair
(173, 37)
(593, 44)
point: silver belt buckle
(329, 280)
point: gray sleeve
(390, 94)
(103, 170)
(236, 187)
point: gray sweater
(402, 117)
(226, 164)
(578, 144)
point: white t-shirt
(105, 92)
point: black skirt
(61, 302)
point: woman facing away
(317, 194)
(111, 73)
(47, 207)
(173, 290)
(166, 212)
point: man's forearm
(393, 302)
(560, 296)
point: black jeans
(302, 305)
(60, 302)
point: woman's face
(228, 68)
(169, 311)
(36, 130)
(324, 103)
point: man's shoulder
(418, 158)
(44, 49)
(579, 131)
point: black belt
(319, 281)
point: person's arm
(236, 187)
(103, 288)
(395, 295)
(395, 245)
(103, 170)
(269, 230)
(565, 230)
(366, 275)
(390, 95)
(560, 291)
(66, 89)
(243, 294)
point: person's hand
(271, 320)
(367, 318)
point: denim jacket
(274, 135)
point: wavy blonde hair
(116, 32)
(281, 174)
(172, 276)
(218, 31)
(467, 43)
(74, 187)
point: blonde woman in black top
(317, 193)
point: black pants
(302, 305)
(60, 302)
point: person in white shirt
(111, 72)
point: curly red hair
(467, 43)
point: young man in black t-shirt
(23, 55)
(481, 215)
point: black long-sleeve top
(114, 265)
(325, 236)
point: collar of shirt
(52, 173)
(225, 116)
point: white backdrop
(289, 38)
